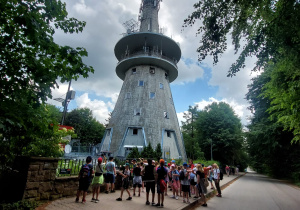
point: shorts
(193, 182)
(185, 188)
(84, 185)
(137, 181)
(176, 184)
(158, 188)
(125, 184)
(110, 178)
(150, 185)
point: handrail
(148, 53)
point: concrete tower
(145, 112)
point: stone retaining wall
(42, 183)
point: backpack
(221, 175)
(85, 171)
(181, 175)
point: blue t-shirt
(192, 176)
(161, 173)
(176, 178)
(110, 167)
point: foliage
(20, 205)
(87, 128)
(134, 153)
(189, 133)
(268, 143)
(30, 63)
(147, 152)
(218, 125)
(267, 29)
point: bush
(20, 205)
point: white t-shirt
(216, 172)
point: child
(85, 177)
(98, 180)
(137, 179)
(185, 183)
(175, 180)
(125, 182)
(161, 174)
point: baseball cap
(173, 161)
(185, 164)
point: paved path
(108, 201)
(254, 191)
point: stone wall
(42, 183)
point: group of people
(232, 170)
(184, 181)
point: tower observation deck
(145, 112)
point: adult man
(149, 179)
(110, 175)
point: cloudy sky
(197, 83)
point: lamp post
(211, 154)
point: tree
(30, 63)
(268, 143)
(268, 30)
(158, 152)
(148, 152)
(189, 133)
(87, 128)
(217, 124)
(134, 153)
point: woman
(202, 190)
(210, 177)
(97, 180)
(216, 178)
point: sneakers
(172, 196)
(97, 200)
(157, 205)
(83, 201)
(183, 201)
(106, 192)
(133, 194)
(161, 206)
(93, 200)
(205, 205)
(153, 204)
(77, 200)
(196, 197)
(119, 199)
(129, 198)
(176, 197)
(112, 191)
(219, 195)
(147, 203)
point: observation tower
(145, 112)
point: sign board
(64, 171)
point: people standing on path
(137, 179)
(216, 178)
(110, 175)
(227, 170)
(85, 178)
(142, 167)
(185, 183)
(97, 180)
(167, 178)
(210, 177)
(202, 190)
(125, 182)
(175, 181)
(149, 179)
(192, 181)
(161, 174)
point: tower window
(152, 70)
(166, 115)
(108, 132)
(152, 95)
(166, 76)
(137, 111)
(128, 95)
(135, 131)
(133, 71)
(169, 134)
(161, 85)
(141, 83)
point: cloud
(240, 109)
(99, 108)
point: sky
(197, 83)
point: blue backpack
(85, 171)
